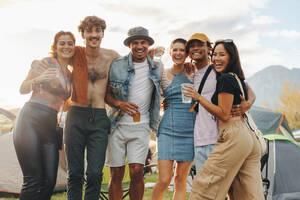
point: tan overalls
(235, 161)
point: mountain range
(267, 83)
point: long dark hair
(234, 64)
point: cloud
(31, 24)
(291, 34)
(264, 20)
(287, 34)
(4, 3)
(116, 29)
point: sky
(266, 32)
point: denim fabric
(176, 129)
(201, 155)
(120, 79)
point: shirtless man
(87, 125)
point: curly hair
(56, 37)
(89, 22)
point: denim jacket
(120, 79)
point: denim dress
(176, 130)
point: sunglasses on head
(225, 41)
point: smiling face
(93, 36)
(177, 53)
(220, 58)
(65, 47)
(139, 49)
(198, 50)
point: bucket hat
(138, 33)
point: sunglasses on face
(224, 41)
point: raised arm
(26, 86)
(39, 72)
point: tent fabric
(268, 121)
(11, 177)
(290, 196)
(8, 114)
(287, 165)
(277, 137)
(283, 169)
(284, 155)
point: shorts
(128, 140)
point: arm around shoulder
(251, 95)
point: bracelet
(200, 97)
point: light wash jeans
(201, 155)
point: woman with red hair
(36, 138)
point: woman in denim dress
(175, 133)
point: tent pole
(281, 120)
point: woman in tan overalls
(235, 160)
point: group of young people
(214, 136)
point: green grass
(147, 195)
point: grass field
(147, 195)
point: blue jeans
(201, 155)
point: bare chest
(97, 72)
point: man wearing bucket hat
(198, 48)
(134, 93)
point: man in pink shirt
(198, 48)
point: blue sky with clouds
(267, 32)
(286, 13)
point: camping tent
(282, 168)
(11, 177)
(296, 134)
(270, 122)
(8, 114)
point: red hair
(56, 37)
